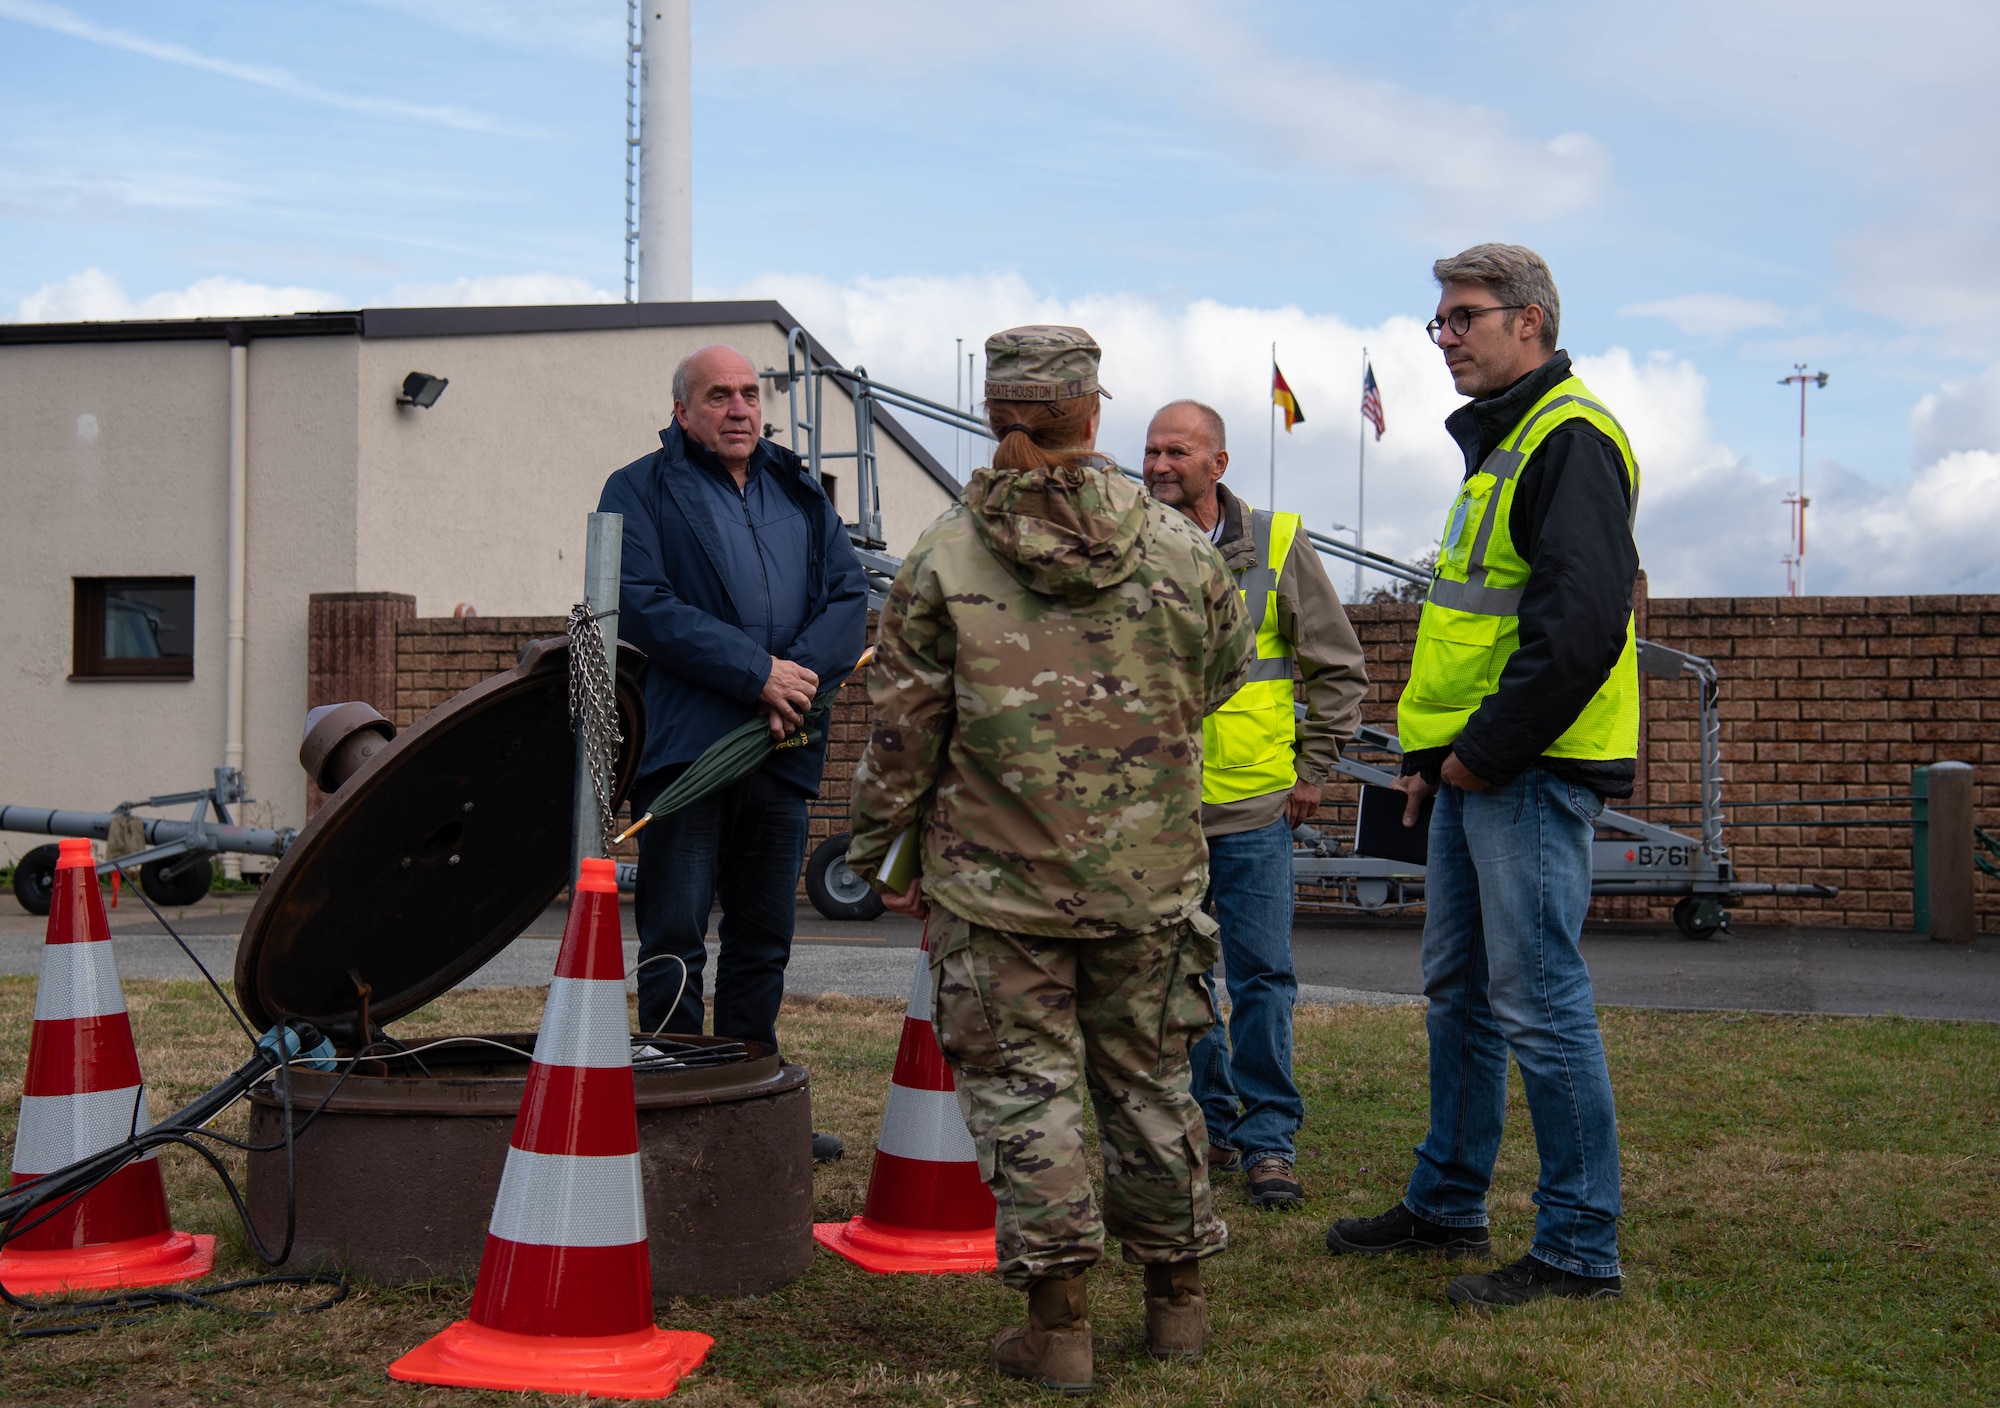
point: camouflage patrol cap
(1041, 362)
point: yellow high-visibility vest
(1249, 745)
(1471, 622)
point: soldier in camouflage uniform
(1046, 657)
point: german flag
(1281, 396)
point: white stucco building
(118, 524)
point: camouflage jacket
(1043, 665)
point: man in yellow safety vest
(1262, 769)
(1522, 714)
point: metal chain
(593, 709)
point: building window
(134, 628)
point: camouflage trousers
(1027, 1023)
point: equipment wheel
(178, 881)
(35, 878)
(835, 890)
(1700, 916)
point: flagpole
(1272, 502)
(1361, 482)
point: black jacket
(705, 672)
(1571, 521)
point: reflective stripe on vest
(1249, 744)
(1470, 625)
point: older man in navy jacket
(744, 592)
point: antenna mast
(632, 50)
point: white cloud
(62, 20)
(1711, 314)
(1960, 415)
(1709, 524)
(94, 295)
(494, 290)
(902, 330)
(1463, 158)
(1935, 534)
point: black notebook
(1379, 829)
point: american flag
(1371, 399)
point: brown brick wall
(351, 653)
(1832, 697)
(1821, 697)
(438, 656)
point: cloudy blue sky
(1722, 190)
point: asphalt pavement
(1341, 959)
(1764, 967)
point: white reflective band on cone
(57, 1130)
(569, 1200)
(920, 988)
(925, 1124)
(584, 1024)
(78, 980)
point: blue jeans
(1506, 890)
(1243, 1080)
(743, 845)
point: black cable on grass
(64, 1188)
(140, 1304)
(174, 934)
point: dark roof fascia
(383, 323)
(570, 317)
(234, 330)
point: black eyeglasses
(1459, 320)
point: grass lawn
(1810, 1214)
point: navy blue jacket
(705, 672)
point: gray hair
(681, 370)
(1513, 273)
(1211, 419)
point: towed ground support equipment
(175, 864)
(1629, 856)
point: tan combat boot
(1053, 1349)
(1176, 1310)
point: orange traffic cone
(927, 1209)
(565, 1296)
(83, 1094)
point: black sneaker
(1531, 1279)
(1223, 1158)
(1400, 1230)
(827, 1148)
(1273, 1183)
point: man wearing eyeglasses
(1522, 714)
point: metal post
(1361, 482)
(1711, 768)
(867, 494)
(1272, 502)
(603, 553)
(633, 51)
(1950, 808)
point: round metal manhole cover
(431, 858)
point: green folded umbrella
(737, 754)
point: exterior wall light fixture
(421, 389)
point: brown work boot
(1273, 1182)
(1176, 1310)
(1053, 1348)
